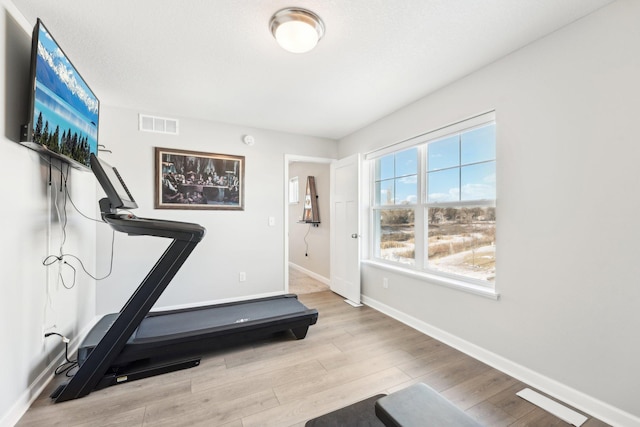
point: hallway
(300, 283)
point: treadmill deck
(198, 328)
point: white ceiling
(217, 60)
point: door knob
(354, 236)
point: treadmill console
(113, 185)
(119, 197)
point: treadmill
(135, 343)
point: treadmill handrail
(135, 226)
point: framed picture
(196, 180)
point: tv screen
(63, 109)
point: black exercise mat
(360, 414)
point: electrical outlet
(242, 276)
(45, 329)
(385, 283)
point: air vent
(158, 124)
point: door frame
(288, 159)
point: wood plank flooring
(349, 355)
(300, 283)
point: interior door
(345, 228)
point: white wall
(567, 244)
(235, 241)
(31, 296)
(316, 247)
(567, 273)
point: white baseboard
(20, 407)
(568, 395)
(311, 274)
(25, 400)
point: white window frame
(420, 269)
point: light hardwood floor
(300, 283)
(349, 355)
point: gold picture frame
(198, 180)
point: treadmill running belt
(197, 320)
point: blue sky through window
(478, 145)
(407, 162)
(478, 181)
(396, 178)
(406, 190)
(384, 192)
(462, 167)
(385, 167)
(443, 186)
(444, 153)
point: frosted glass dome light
(296, 30)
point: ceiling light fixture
(296, 30)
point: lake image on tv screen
(65, 118)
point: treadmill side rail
(145, 371)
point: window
(293, 190)
(460, 204)
(396, 194)
(433, 207)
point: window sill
(438, 280)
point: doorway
(307, 246)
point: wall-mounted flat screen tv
(63, 111)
